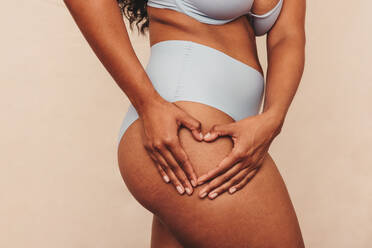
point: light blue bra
(221, 11)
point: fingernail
(201, 179)
(166, 178)
(202, 195)
(188, 191)
(232, 190)
(193, 182)
(180, 189)
(213, 195)
(201, 136)
(207, 135)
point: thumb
(194, 126)
(219, 130)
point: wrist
(274, 118)
(275, 113)
(145, 103)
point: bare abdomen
(259, 215)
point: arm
(103, 27)
(253, 136)
(286, 58)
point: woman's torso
(235, 38)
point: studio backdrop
(60, 113)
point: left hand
(252, 137)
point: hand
(252, 137)
(161, 122)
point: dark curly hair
(135, 11)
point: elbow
(295, 38)
(292, 46)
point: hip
(183, 70)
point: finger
(160, 168)
(220, 180)
(219, 130)
(180, 174)
(172, 177)
(228, 184)
(182, 159)
(194, 126)
(252, 172)
(162, 173)
(231, 183)
(224, 165)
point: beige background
(60, 113)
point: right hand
(161, 121)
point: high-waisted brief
(183, 70)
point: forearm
(103, 27)
(285, 67)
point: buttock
(252, 217)
(215, 89)
(183, 70)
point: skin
(103, 27)
(286, 53)
(257, 214)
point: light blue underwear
(183, 70)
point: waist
(235, 38)
(186, 70)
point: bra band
(218, 14)
(263, 23)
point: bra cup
(263, 23)
(216, 9)
(218, 12)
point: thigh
(161, 236)
(259, 215)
